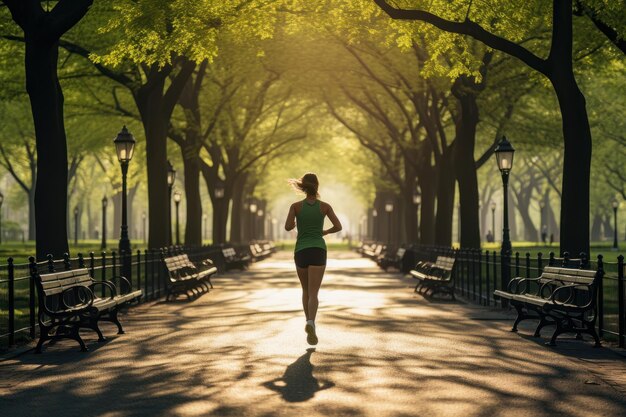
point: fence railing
(479, 273)
(18, 298)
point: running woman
(310, 252)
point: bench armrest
(572, 293)
(106, 284)
(85, 301)
(516, 283)
(125, 285)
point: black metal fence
(478, 273)
(18, 298)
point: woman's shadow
(298, 383)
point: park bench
(68, 303)
(186, 277)
(564, 297)
(259, 252)
(234, 260)
(374, 251)
(435, 278)
(391, 259)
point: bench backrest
(229, 253)
(570, 276)
(56, 282)
(445, 262)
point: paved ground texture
(241, 351)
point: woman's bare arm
(290, 223)
(334, 220)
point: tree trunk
(149, 101)
(220, 219)
(596, 228)
(576, 165)
(46, 99)
(465, 167)
(428, 186)
(445, 201)
(409, 207)
(236, 229)
(193, 227)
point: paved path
(240, 351)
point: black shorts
(310, 257)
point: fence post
(146, 272)
(11, 272)
(600, 300)
(138, 269)
(539, 264)
(517, 274)
(479, 254)
(495, 274)
(103, 271)
(621, 300)
(113, 266)
(31, 295)
(92, 265)
(487, 278)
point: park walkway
(240, 351)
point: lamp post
(253, 208)
(219, 209)
(615, 205)
(103, 246)
(177, 197)
(417, 200)
(125, 148)
(493, 220)
(75, 225)
(543, 233)
(274, 229)
(504, 157)
(171, 179)
(259, 214)
(1, 201)
(389, 210)
(143, 226)
(204, 222)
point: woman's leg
(303, 275)
(315, 276)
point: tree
(42, 31)
(558, 69)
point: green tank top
(310, 223)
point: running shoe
(311, 337)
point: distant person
(544, 234)
(551, 238)
(310, 251)
(490, 237)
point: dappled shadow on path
(383, 350)
(298, 383)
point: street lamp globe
(253, 207)
(504, 155)
(389, 207)
(105, 201)
(76, 211)
(171, 174)
(177, 196)
(374, 213)
(615, 204)
(124, 145)
(219, 189)
(493, 205)
(542, 205)
(259, 213)
(417, 196)
(274, 221)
